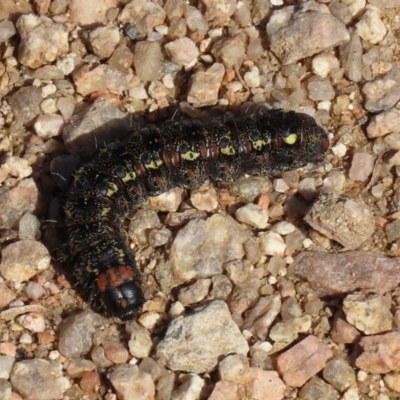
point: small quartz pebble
(233, 367)
(7, 30)
(342, 331)
(362, 166)
(303, 361)
(204, 199)
(47, 126)
(339, 374)
(140, 343)
(252, 215)
(370, 27)
(33, 290)
(148, 60)
(339, 150)
(190, 388)
(317, 388)
(33, 322)
(323, 63)
(205, 86)
(128, 380)
(230, 51)
(272, 244)
(210, 330)
(368, 313)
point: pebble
(351, 57)
(115, 351)
(342, 331)
(76, 333)
(147, 60)
(336, 274)
(392, 231)
(48, 106)
(42, 40)
(17, 167)
(202, 247)
(24, 259)
(304, 360)
(224, 390)
(258, 384)
(233, 368)
(392, 382)
(339, 150)
(141, 223)
(7, 30)
(102, 78)
(349, 222)
(368, 313)
(271, 244)
(195, 20)
(140, 343)
(194, 293)
(370, 27)
(305, 34)
(259, 319)
(6, 364)
(320, 89)
(288, 331)
(316, 389)
(219, 12)
(340, 374)
(253, 215)
(33, 322)
(103, 40)
(380, 353)
(383, 92)
(39, 379)
(362, 166)
(182, 51)
(324, 63)
(25, 103)
(47, 126)
(7, 295)
(229, 51)
(195, 342)
(91, 12)
(204, 198)
(143, 14)
(132, 384)
(205, 85)
(384, 123)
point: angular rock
(304, 360)
(306, 34)
(195, 342)
(91, 12)
(347, 221)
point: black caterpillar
(155, 159)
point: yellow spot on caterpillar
(228, 150)
(190, 156)
(291, 139)
(259, 144)
(154, 164)
(112, 189)
(130, 176)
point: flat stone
(304, 360)
(331, 274)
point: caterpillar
(156, 158)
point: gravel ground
(270, 288)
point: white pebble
(252, 214)
(283, 228)
(272, 244)
(49, 89)
(33, 322)
(370, 27)
(252, 78)
(48, 106)
(307, 243)
(339, 150)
